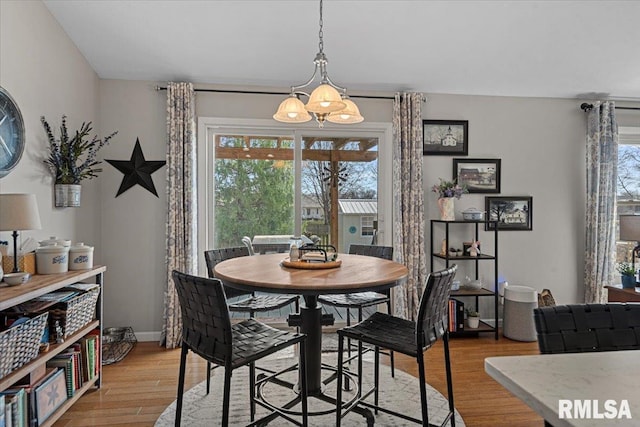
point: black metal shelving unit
(447, 259)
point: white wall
(46, 75)
(542, 146)
(540, 142)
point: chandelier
(327, 102)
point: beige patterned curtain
(602, 173)
(408, 199)
(182, 209)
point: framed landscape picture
(445, 137)
(478, 175)
(512, 213)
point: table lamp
(18, 212)
(630, 231)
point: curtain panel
(602, 173)
(408, 202)
(182, 245)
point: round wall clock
(11, 133)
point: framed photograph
(50, 395)
(445, 137)
(512, 213)
(478, 175)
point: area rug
(401, 394)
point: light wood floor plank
(136, 390)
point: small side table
(619, 294)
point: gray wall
(540, 142)
(47, 76)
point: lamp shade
(292, 110)
(19, 212)
(350, 114)
(325, 99)
(630, 228)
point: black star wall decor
(137, 170)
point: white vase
(473, 322)
(446, 205)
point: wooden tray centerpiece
(314, 257)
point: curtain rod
(587, 107)
(253, 92)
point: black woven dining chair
(360, 300)
(252, 303)
(208, 332)
(580, 328)
(407, 337)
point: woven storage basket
(73, 314)
(20, 345)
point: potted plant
(628, 274)
(446, 191)
(473, 319)
(72, 159)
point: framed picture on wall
(445, 137)
(478, 175)
(512, 213)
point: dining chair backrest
(215, 256)
(433, 314)
(246, 240)
(206, 325)
(578, 328)
(385, 252)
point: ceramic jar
(51, 259)
(53, 240)
(80, 257)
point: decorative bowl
(15, 279)
(472, 214)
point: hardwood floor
(136, 390)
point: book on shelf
(16, 402)
(456, 315)
(97, 351)
(65, 362)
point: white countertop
(541, 381)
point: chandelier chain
(320, 34)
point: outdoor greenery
(73, 157)
(256, 197)
(252, 197)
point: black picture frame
(512, 213)
(445, 137)
(480, 176)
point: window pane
(628, 192)
(254, 188)
(339, 188)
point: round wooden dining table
(356, 273)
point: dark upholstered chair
(207, 331)
(588, 327)
(407, 337)
(253, 303)
(360, 300)
(583, 328)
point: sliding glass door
(283, 182)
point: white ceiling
(512, 48)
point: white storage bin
(519, 302)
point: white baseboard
(148, 336)
(492, 322)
